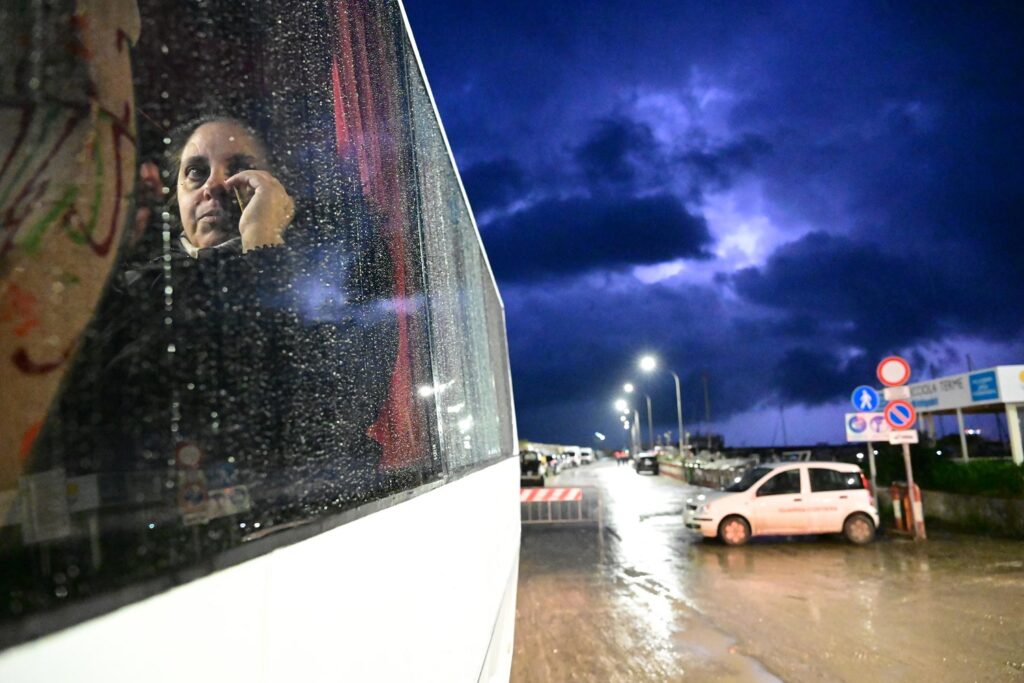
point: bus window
(265, 305)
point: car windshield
(748, 479)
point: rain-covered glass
(241, 288)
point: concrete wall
(969, 513)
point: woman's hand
(268, 209)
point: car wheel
(655, 471)
(859, 529)
(734, 530)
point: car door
(833, 495)
(826, 499)
(779, 506)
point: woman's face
(215, 151)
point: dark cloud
(570, 361)
(813, 376)
(578, 235)
(494, 184)
(829, 296)
(716, 167)
(878, 299)
(611, 155)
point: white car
(784, 499)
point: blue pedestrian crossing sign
(864, 399)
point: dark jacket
(274, 363)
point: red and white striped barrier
(552, 495)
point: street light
(623, 407)
(649, 363)
(629, 389)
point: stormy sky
(775, 195)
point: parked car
(531, 468)
(646, 462)
(586, 456)
(783, 499)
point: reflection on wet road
(645, 600)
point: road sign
(863, 427)
(864, 399)
(188, 455)
(896, 393)
(903, 436)
(900, 415)
(893, 371)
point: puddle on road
(943, 610)
(700, 646)
(667, 513)
(585, 614)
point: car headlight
(703, 508)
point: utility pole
(782, 417)
(707, 409)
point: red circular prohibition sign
(893, 371)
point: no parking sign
(900, 415)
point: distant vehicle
(531, 468)
(586, 456)
(646, 462)
(574, 456)
(784, 499)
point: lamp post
(648, 364)
(650, 424)
(639, 436)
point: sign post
(900, 414)
(874, 473)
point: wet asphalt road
(646, 600)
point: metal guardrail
(563, 505)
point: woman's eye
(195, 173)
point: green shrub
(995, 478)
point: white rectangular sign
(903, 436)
(863, 427)
(1002, 384)
(896, 393)
(1011, 383)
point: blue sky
(774, 194)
